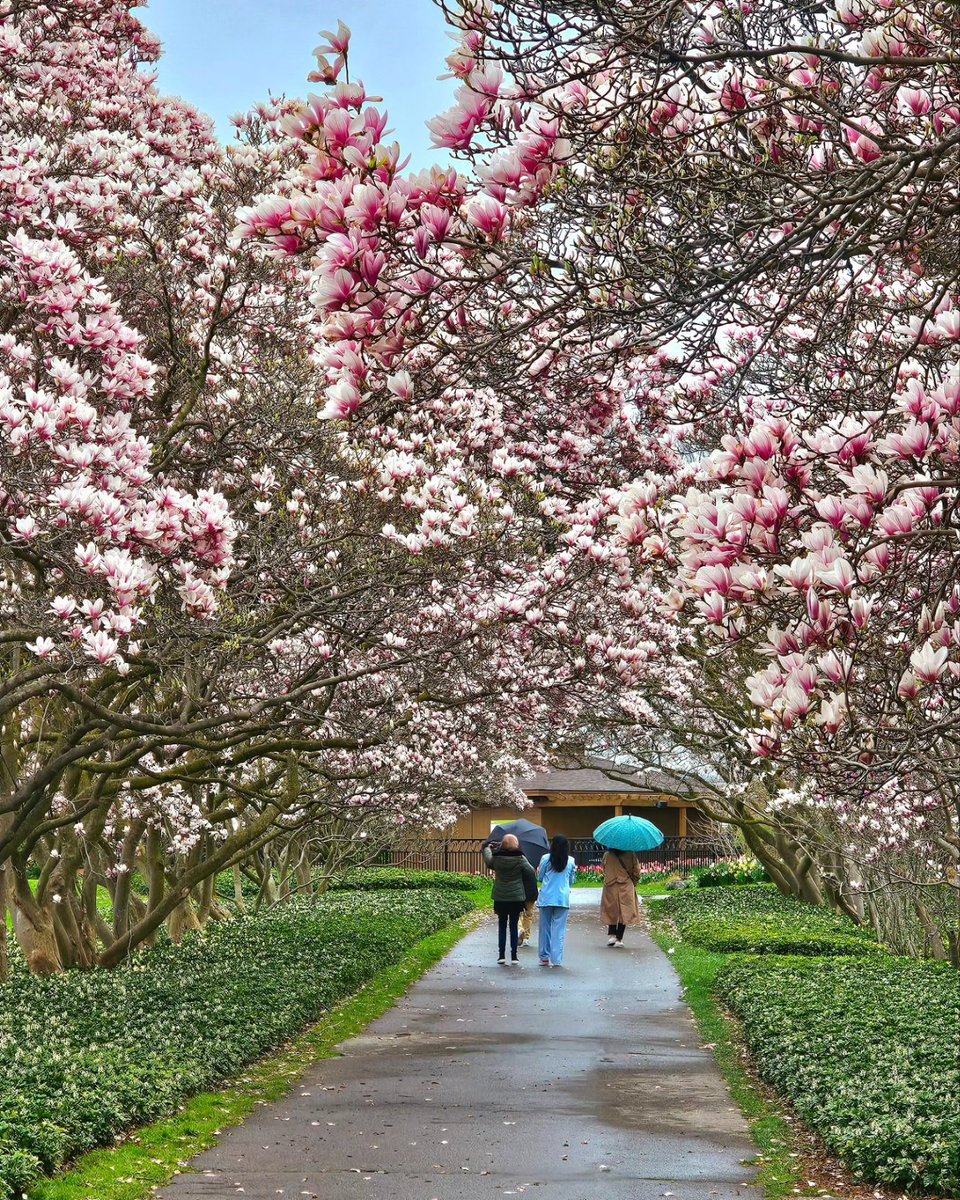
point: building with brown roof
(573, 800)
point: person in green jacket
(513, 876)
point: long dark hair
(559, 853)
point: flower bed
(729, 872)
(758, 920)
(589, 876)
(866, 1051)
(87, 1054)
(369, 879)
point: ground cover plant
(879, 1081)
(85, 1055)
(757, 919)
(152, 1155)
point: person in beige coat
(618, 902)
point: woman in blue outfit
(556, 873)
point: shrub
(756, 919)
(86, 1054)
(730, 872)
(866, 1051)
(377, 879)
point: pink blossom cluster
(76, 468)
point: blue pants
(553, 932)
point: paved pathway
(484, 1081)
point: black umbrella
(533, 838)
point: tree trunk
(4, 906)
(238, 899)
(78, 947)
(182, 920)
(935, 946)
(180, 891)
(123, 888)
(34, 928)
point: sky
(225, 55)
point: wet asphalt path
(485, 1081)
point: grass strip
(154, 1154)
(778, 1162)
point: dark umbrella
(533, 838)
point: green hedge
(866, 1049)
(86, 1054)
(758, 920)
(377, 879)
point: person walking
(618, 902)
(513, 875)
(526, 917)
(556, 872)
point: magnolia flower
(839, 575)
(25, 529)
(832, 714)
(101, 646)
(799, 573)
(43, 647)
(908, 686)
(948, 324)
(488, 215)
(927, 663)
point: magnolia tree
(282, 564)
(755, 207)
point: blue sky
(224, 55)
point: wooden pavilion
(574, 800)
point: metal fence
(464, 854)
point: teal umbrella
(628, 833)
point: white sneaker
(612, 941)
(501, 962)
(619, 945)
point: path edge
(778, 1159)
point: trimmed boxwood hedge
(868, 1052)
(84, 1055)
(374, 879)
(757, 919)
